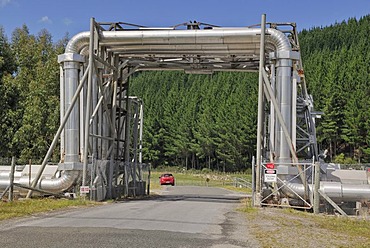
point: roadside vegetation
(203, 177)
(275, 227)
(21, 208)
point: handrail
(241, 183)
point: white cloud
(46, 19)
(3, 3)
(67, 21)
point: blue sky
(72, 16)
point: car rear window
(167, 175)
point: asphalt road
(179, 217)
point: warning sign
(270, 176)
(84, 189)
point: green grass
(28, 207)
(351, 226)
(200, 179)
(345, 232)
(247, 206)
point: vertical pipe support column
(260, 109)
(296, 81)
(113, 157)
(141, 124)
(253, 180)
(135, 142)
(94, 124)
(82, 112)
(127, 134)
(294, 113)
(88, 100)
(11, 185)
(272, 115)
(316, 194)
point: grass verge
(28, 207)
(199, 179)
(274, 227)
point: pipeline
(226, 40)
(55, 185)
(337, 191)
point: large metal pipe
(222, 39)
(59, 184)
(337, 191)
(283, 74)
(71, 130)
(55, 184)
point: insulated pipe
(78, 42)
(52, 185)
(61, 109)
(337, 191)
(214, 37)
(210, 41)
(71, 129)
(60, 184)
(153, 40)
(55, 184)
(283, 74)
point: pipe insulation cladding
(337, 191)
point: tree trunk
(192, 161)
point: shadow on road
(200, 198)
(193, 193)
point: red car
(167, 179)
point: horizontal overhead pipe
(222, 39)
